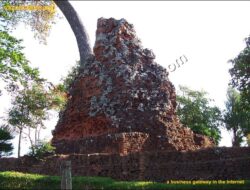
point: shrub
(41, 150)
(6, 146)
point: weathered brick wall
(127, 142)
(122, 143)
(216, 163)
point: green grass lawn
(21, 181)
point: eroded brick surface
(209, 164)
(121, 90)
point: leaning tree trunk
(77, 27)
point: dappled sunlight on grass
(11, 180)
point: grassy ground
(21, 181)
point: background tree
(37, 101)
(30, 109)
(19, 117)
(14, 67)
(41, 24)
(195, 111)
(240, 73)
(61, 91)
(70, 77)
(29, 101)
(6, 146)
(236, 117)
(40, 21)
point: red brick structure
(122, 101)
(208, 164)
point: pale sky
(207, 33)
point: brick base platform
(213, 163)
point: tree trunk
(19, 143)
(77, 27)
(38, 134)
(30, 139)
(236, 138)
(35, 136)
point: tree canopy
(32, 96)
(240, 73)
(14, 67)
(195, 111)
(41, 21)
(30, 109)
(236, 117)
(238, 104)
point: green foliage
(240, 73)
(248, 139)
(61, 91)
(195, 111)
(5, 136)
(14, 67)
(17, 180)
(41, 150)
(31, 107)
(58, 97)
(39, 21)
(72, 74)
(236, 116)
(31, 104)
(19, 116)
(19, 113)
(30, 110)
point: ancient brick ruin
(208, 164)
(120, 122)
(122, 101)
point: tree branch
(77, 27)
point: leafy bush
(6, 146)
(41, 150)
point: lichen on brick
(120, 90)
